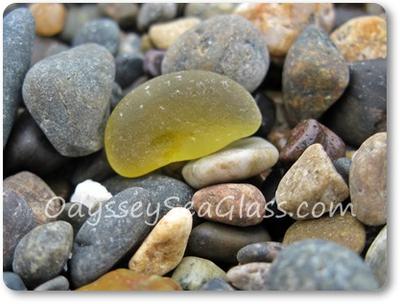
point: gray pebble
(58, 283)
(116, 95)
(151, 13)
(13, 281)
(74, 213)
(228, 45)
(217, 284)
(18, 35)
(259, 252)
(68, 95)
(376, 257)
(128, 69)
(342, 166)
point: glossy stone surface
(196, 112)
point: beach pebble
(311, 186)
(240, 160)
(13, 281)
(313, 64)
(123, 13)
(128, 68)
(49, 18)
(91, 194)
(217, 284)
(342, 166)
(68, 95)
(376, 257)
(152, 62)
(229, 45)
(252, 276)
(362, 38)
(259, 252)
(45, 47)
(18, 35)
(220, 243)
(234, 204)
(74, 213)
(151, 13)
(320, 265)
(208, 10)
(368, 180)
(37, 262)
(193, 272)
(58, 283)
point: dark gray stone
(259, 252)
(342, 166)
(108, 235)
(151, 13)
(13, 281)
(74, 213)
(104, 32)
(45, 47)
(216, 284)
(152, 62)
(58, 283)
(116, 95)
(43, 252)
(229, 45)
(128, 69)
(18, 35)
(18, 220)
(320, 265)
(68, 95)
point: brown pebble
(49, 18)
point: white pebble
(90, 194)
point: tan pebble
(49, 18)
(252, 276)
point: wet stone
(259, 252)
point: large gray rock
(18, 35)
(68, 95)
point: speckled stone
(208, 10)
(13, 281)
(233, 204)
(193, 272)
(281, 23)
(123, 13)
(220, 243)
(58, 283)
(37, 194)
(45, 47)
(164, 247)
(320, 265)
(68, 95)
(368, 180)
(313, 64)
(151, 13)
(104, 32)
(108, 235)
(163, 35)
(311, 186)
(228, 45)
(128, 280)
(242, 159)
(18, 34)
(376, 257)
(259, 252)
(49, 18)
(37, 262)
(344, 230)
(252, 276)
(361, 111)
(362, 38)
(310, 132)
(216, 284)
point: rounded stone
(152, 62)
(252, 276)
(228, 45)
(208, 10)
(193, 272)
(310, 132)
(74, 213)
(49, 18)
(234, 204)
(128, 68)
(368, 180)
(91, 194)
(13, 281)
(376, 257)
(68, 95)
(313, 64)
(123, 13)
(342, 166)
(259, 252)
(58, 283)
(164, 247)
(45, 47)
(18, 220)
(163, 35)
(362, 38)
(171, 110)
(320, 265)
(220, 243)
(104, 32)
(37, 262)
(117, 228)
(281, 23)
(344, 230)
(18, 35)
(361, 111)
(217, 284)
(242, 159)
(151, 13)
(311, 186)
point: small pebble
(208, 10)
(242, 159)
(233, 204)
(368, 180)
(362, 38)
(221, 243)
(312, 186)
(376, 257)
(193, 272)
(320, 265)
(130, 43)
(49, 18)
(104, 32)
(217, 284)
(13, 281)
(124, 14)
(58, 283)
(342, 166)
(252, 276)
(152, 62)
(151, 13)
(259, 252)
(129, 67)
(229, 45)
(37, 262)
(91, 194)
